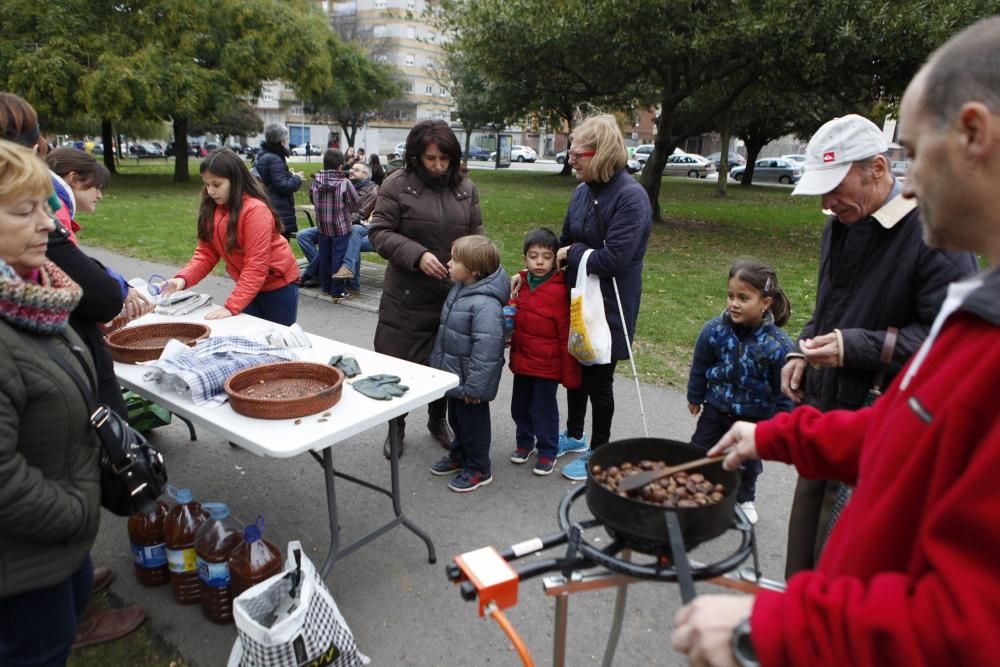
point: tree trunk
(720, 187)
(108, 139)
(753, 150)
(180, 149)
(350, 131)
(663, 146)
(465, 153)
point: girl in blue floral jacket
(736, 370)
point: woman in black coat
(279, 180)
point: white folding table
(283, 438)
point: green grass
(146, 215)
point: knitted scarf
(40, 308)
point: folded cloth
(200, 373)
(347, 365)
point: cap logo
(829, 156)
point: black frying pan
(636, 521)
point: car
(633, 166)
(688, 164)
(237, 147)
(899, 168)
(398, 151)
(147, 150)
(735, 159)
(477, 153)
(561, 157)
(642, 153)
(772, 169)
(193, 149)
(523, 154)
(795, 157)
(301, 149)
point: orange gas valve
(493, 577)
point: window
(429, 89)
(409, 86)
(410, 60)
(380, 4)
(295, 111)
(267, 95)
(442, 92)
(411, 32)
(411, 4)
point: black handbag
(133, 475)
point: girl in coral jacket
(237, 223)
(539, 356)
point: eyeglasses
(576, 155)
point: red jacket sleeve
(206, 256)
(256, 227)
(820, 445)
(946, 614)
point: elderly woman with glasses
(610, 214)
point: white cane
(631, 359)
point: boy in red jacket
(539, 357)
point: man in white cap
(909, 576)
(878, 291)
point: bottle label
(215, 575)
(182, 561)
(150, 556)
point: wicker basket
(285, 389)
(145, 342)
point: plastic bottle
(179, 529)
(253, 560)
(149, 552)
(215, 540)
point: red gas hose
(511, 633)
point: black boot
(441, 431)
(387, 446)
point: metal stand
(335, 552)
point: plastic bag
(290, 620)
(589, 334)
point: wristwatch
(742, 647)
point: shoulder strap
(99, 413)
(888, 348)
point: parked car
(301, 149)
(774, 170)
(735, 159)
(237, 147)
(193, 149)
(477, 153)
(147, 150)
(899, 168)
(642, 153)
(523, 154)
(399, 151)
(796, 157)
(561, 157)
(633, 166)
(688, 164)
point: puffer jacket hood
(470, 339)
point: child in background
(539, 357)
(470, 343)
(237, 223)
(736, 371)
(334, 197)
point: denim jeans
(535, 410)
(357, 244)
(280, 306)
(308, 240)
(331, 256)
(37, 628)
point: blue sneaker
(446, 466)
(576, 470)
(469, 481)
(568, 445)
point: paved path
(402, 610)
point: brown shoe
(441, 431)
(105, 625)
(102, 578)
(343, 273)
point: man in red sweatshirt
(910, 573)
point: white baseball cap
(832, 150)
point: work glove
(347, 365)
(380, 387)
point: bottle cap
(216, 510)
(251, 533)
(182, 496)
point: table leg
(331, 506)
(559, 632)
(616, 619)
(396, 445)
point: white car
(643, 152)
(688, 164)
(398, 151)
(523, 154)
